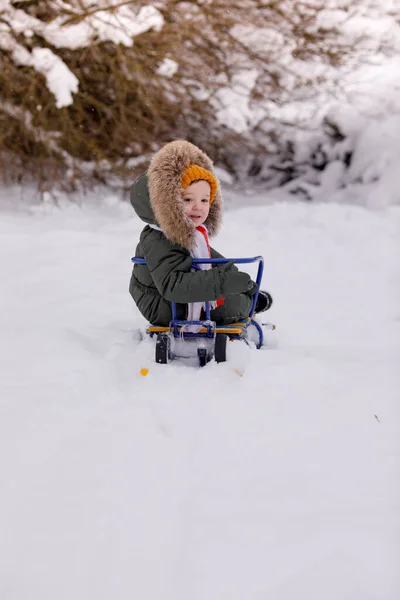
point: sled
(210, 340)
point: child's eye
(205, 200)
(187, 199)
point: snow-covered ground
(279, 482)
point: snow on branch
(112, 21)
(115, 22)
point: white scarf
(200, 249)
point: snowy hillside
(276, 481)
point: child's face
(196, 201)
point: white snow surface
(275, 475)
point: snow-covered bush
(89, 89)
(350, 158)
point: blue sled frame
(209, 328)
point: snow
(366, 24)
(234, 102)
(275, 475)
(375, 161)
(368, 81)
(60, 80)
(278, 482)
(119, 25)
(374, 90)
(167, 67)
(374, 148)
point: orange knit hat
(195, 173)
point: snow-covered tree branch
(105, 83)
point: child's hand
(232, 281)
(226, 266)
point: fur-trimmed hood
(161, 204)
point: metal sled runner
(209, 340)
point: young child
(180, 200)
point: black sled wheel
(163, 349)
(221, 340)
(202, 356)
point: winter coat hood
(156, 195)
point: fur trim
(165, 174)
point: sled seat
(232, 329)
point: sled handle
(219, 261)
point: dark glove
(253, 289)
(232, 281)
(223, 267)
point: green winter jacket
(167, 277)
